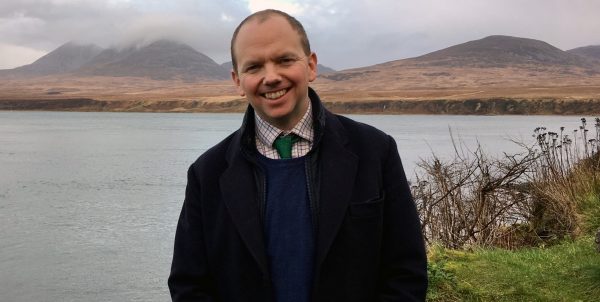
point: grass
(589, 209)
(566, 268)
(565, 272)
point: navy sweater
(288, 230)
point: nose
(272, 76)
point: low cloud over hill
(162, 60)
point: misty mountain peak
(160, 59)
(66, 58)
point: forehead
(266, 34)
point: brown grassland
(403, 87)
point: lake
(89, 201)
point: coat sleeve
(190, 279)
(404, 261)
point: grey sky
(343, 33)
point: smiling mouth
(275, 95)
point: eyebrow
(275, 57)
(287, 54)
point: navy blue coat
(369, 245)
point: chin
(278, 116)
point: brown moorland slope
(494, 75)
(493, 67)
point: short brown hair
(262, 16)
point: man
(332, 219)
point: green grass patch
(565, 272)
(590, 212)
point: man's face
(273, 71)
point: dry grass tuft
(545, 194)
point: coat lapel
(338, 171)
(338, 168)
(239, 192)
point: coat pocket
(370, 208)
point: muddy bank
(84, 104)
(496, 106)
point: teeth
(275, 95)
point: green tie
(283, 144)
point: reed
(540, 196)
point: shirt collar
(267, 133)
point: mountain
(501, 51)
(65, 58)
(324, 69)
(227, 65)
(159, 60)
(592, 52)
(493, 60)
(495, 66)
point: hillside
(591, 52)
(160, 60)
(493, 75)
(490, 67)
(501, 51)
(66, 58)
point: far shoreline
(491, 106)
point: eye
(287, 60)
(251, 68)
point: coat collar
(337, 167)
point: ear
(312, 67)
(236, 80)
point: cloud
(357, 33)
(290, 7)
(344, 33)
(44, 25)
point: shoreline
(492, 106)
